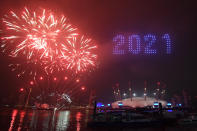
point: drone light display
(136, 44)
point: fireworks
(36, 35)
(28, 68)
(45, 42)
(78, 54)
(43, 48)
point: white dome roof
(138, 102)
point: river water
(65, 120)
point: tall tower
(163, 90)
(130, 91)
(145, 88)
(92, 97)
(185, 98)
(157, 90)
(116, 92)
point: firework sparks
(45, 42)
(27, 68)
(78, 54)
(36, 35)
(54, 66)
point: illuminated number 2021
(168, 43)
(151, 40)
(136, 47)
(134, 39)
(119, 42)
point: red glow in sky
(77, 80)
(31, 82)
(83, 88)
(21, 89)
(54, 78)
(41, 78)
(65, 78)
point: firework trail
(30, 68)
(78, 54)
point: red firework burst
(33, 34)
(78, 54)
(47, 42)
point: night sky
(102, 20)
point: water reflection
(34, 119)
(14, 113)
(63, 120)
(53, 120)
(41, 120)
(78, 119)
(22, 115)
(45, 119)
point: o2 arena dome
(138, 102)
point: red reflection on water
(78, 118)
(22, 115)
(14, 113)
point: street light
(134, 94)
